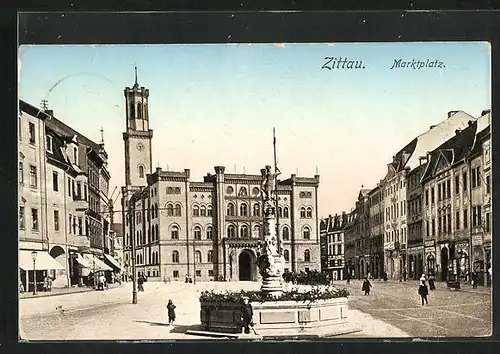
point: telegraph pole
(132, 236)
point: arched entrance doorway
(444, 263)
(246, 265)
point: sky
(217, 104)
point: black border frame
(236, 24)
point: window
(457, 220)
(457, 184)
(488, 184)
(448, 188)
(174, 232)
(21, 173)
(286, 233)
(56, 220)
(209, 257)
(197, 257)
(69, 186)
(210, 272)
(464, 178)
(432, 195)
(198, 273)
(48, 143)
(309, 212)
(132, 111)
(231, 231)
(439, 191)
(141, 171)
(302, 212)
(448, 218)
(244, 231)
(197, 233)
(75, 155)
(139, 111)
(21, 217)
(209, 210)
(243, 210)
(178, 210)
(256, 209)
(33, 179)
(285, 212)
(488, 220)
(339, 237)
(209, 232)
(230, 209)
(175, 258)
(34, 219)
(32, 133)
(175, 274)
(307, 256)
(256, 231)
(280, 212)
(306, 233)
(79, 190)
(433, 227)
(170, 210)
(203, 211)
(286, 255)
(196, 210)
(426, 197)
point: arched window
(243, 192)
(170, 190)
(209, 232)
(132, 110)
(174, 232)
(196, 210)
(230, 209)
(256, 209)
(209, 210)
(203, 211)
(170, 210)
(197, 233)
(302, 212)
(146, 111)
(231, 231)
(285, 212)
(177, 190)
(255, 190)
(286, 255)
(209, 257)
(149, 232)
(309, 212)
(157, 233)
(178, 210)
(256, 231)
(175, 257)
(306, 233)
(244, 231)
(280, 212)
(243, 210)
(139, 111)
(307, 256)
(197, 257)
(286, 233)
(141, 171)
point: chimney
(486, 111)
(469, 123)
(432, 126)
(451, 113)
(458, 131)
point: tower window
(141, 171)
(132, 111)
(139, 111)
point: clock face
(140, 146)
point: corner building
(208, 230)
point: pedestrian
(474, 280)
(247, 315)
(432, 280)
(348, 277)
(140, 282)
(423, 291)
(422, 278)
(49, 284)
(385, 276)
(46, 283)
(21, 287)
(171, 312)
(366, 286)
(404, 275)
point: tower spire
(136, 84)
(102, 135)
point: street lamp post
(132, 236)
(33, 256)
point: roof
(438, 134)
(364, 192)
(452, 151)
(67, 132)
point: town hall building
(208, 230)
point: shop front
(34, 266)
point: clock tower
(138, 137)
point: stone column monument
(270, 261)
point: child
(171, 312)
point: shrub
(313, 277)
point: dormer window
(48, 142)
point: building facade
(55, 206)
(376, 232)
(205, 230)
(332, 246)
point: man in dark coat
(247, 315)
(366, 286)
(423, 291)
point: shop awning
(43, 261)
(112, 261)
(83, 261)
(96, 263)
